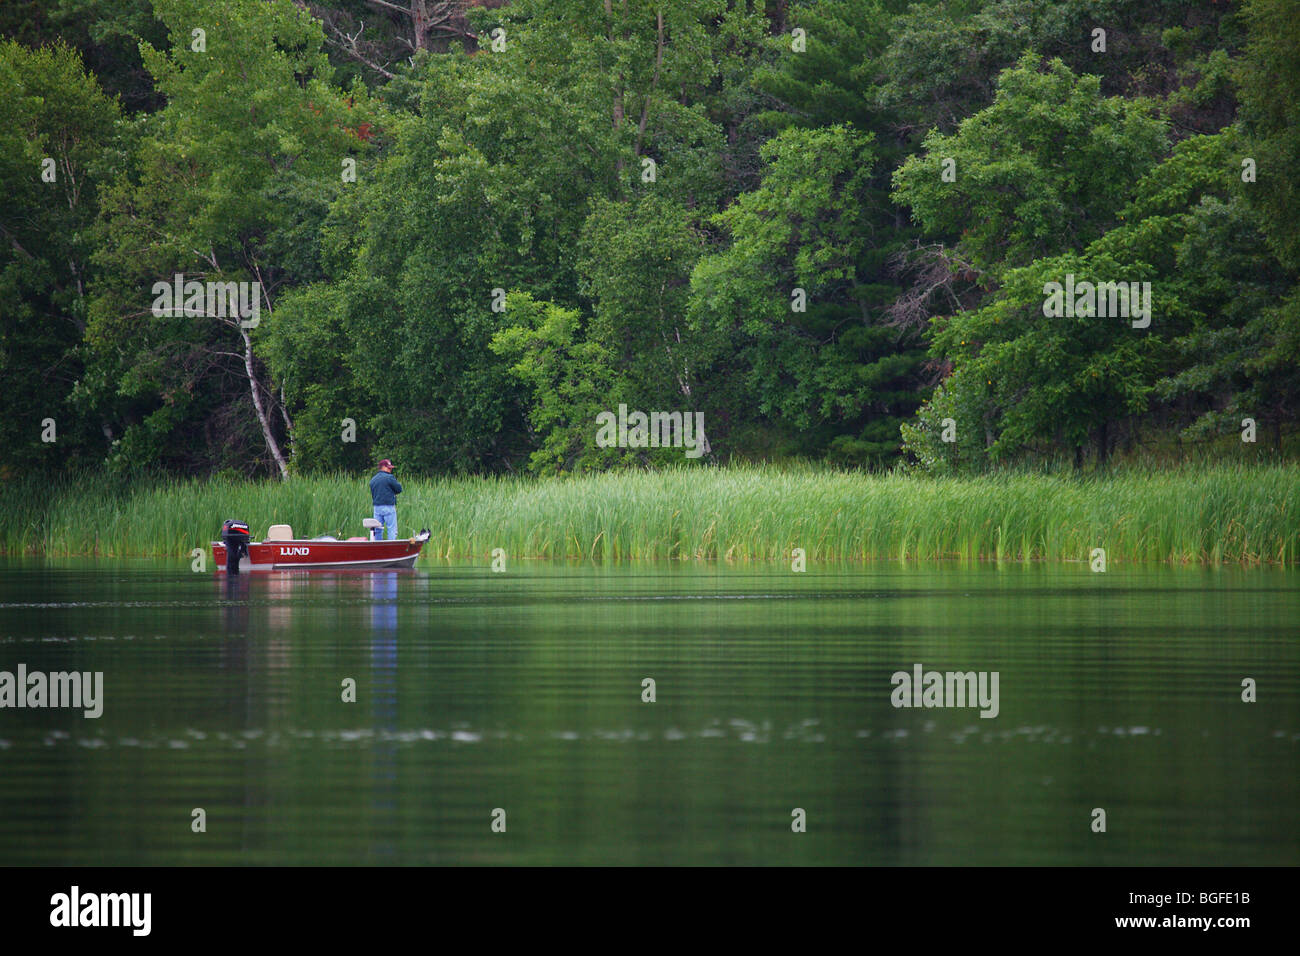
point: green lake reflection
(523, 691)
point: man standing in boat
(384, 489)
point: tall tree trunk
(778, 17)
(617, 117)
(262, 418)
(421, 20)
(288, 423)
(645, 103)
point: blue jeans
(388, 515)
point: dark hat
(384, 462)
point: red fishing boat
(281, 551)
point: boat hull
(323, 555)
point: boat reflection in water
(383, 596)
(253, 604)
(383, 712)
(234, 610)
(265, 615)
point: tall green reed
(1221, 513)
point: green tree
(569, 382)
(1047, 167)
(835, 373)
(635, 268)
(489, 190)
(231, 180)
(1029, 381)
(60, 141)
(1269, 78)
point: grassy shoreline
(1216, 514)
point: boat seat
(279, 532)
(371, 523)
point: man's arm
(398, 489)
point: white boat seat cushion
(371, 523)
(279, 532)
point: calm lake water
(523, 691)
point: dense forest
(939, 234)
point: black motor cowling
(234, 535)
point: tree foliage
(830, 227)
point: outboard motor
(234, 535)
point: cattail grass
(1247, 514)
